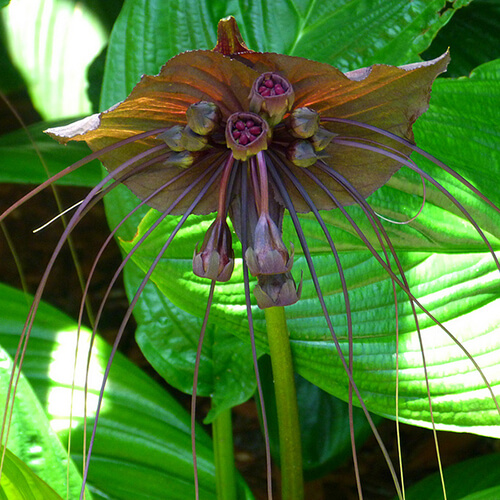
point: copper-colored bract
(388, 97)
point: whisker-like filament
(418, 150)
(75, 166)
(138, 293)
(195, 387)
(300, 234)
(246, 282)
(23, 341)
(285, 169)
(432, 181)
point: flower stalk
(292, 482)
(225, 474)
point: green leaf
(155, 31)
(347, 35)
(30, 437)
(474, 479)
(168, 337)
(51, 42)
(472, 36)
(20, 482)
(22, 153)
(143, 443)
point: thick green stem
(225, 473)
(292, 484)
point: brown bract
(388, 97)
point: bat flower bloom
(247, 135)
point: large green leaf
(346, 34)
(22, 153)
(20, 482)
(143, 443)
(52, 42)
(168, 337)
(474, 479)
(31, 440)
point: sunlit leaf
(143, 443)
(474, 479)
(52, 42)
(31, 439)
(20, 482)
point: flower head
(271, 119)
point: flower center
(271, 85)
(246, 134)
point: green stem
(225, 474)
(292, 485)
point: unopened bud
(183, 159)
(273, 96)
(302, 154)
(277, 290)
(322, 138)
(215, 259)
(191, 141)
(303, 122)
(173, 137)
(268, 254)
(203, 117)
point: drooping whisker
(195, 386)
(286, 170)
(101, 194)
(307, 254)
(80, 163)
(380, 232)
(246, 282)
(403, 156)
(418, 150)
(23, 340)
(113, 232)
(432, 181)
(402, 283)
(215, 170)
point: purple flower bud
(277, 290)
(215, 259)
(268, 254)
